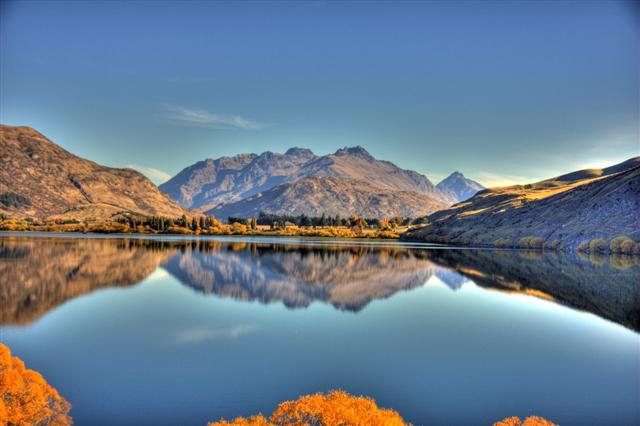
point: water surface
(137, 331)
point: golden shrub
(529, 421)
(239, 228)
(337, 408)
(583, 247)
(503, 243)
(597, 245)
(531, 242)
(26, 398)
(621, 244)
(258, 420)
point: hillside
(40, 179)
(460, 187)
(566, 210)
(222, 183)
(333, 196)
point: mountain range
(562, 211)
(299, 182)
(40, 179)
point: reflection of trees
(606, 286)
(36, 275)
(348, 277)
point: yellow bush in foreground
(334, 409)
(26, 398)
(529, 421)
(338, 408)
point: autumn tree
(26, 398)
(529, 421)
(384, 223)
(239, 228)
(334, 409)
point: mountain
(239, 185)
(565, 210)
(209, 183)
(459, 186)
(356, 163)
(332, 196)
(40, 179)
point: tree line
(276, 220)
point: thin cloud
(203, 334)
(201, 117)
(156, 175)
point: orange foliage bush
(334, 409)
(529, 421)
(259, 420)
(338, 408)
(26, 398)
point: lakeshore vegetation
(264, 225)
(300, 226)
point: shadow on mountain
(603, 285)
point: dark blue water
(175, 332)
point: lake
(180, 331)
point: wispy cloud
(156, 175)
(202, 334)
(492, 180)
(201, 117)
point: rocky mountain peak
(459, 186)
(356, 151)
(299, 152)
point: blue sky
(501, 91)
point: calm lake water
(175, 331)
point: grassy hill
(561, 212)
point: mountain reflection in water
(39, 274)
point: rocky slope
(356, 163)
(332, 196)
(228, 182)
(566, 210)
(459, 186)
(210, 183)
(40, 179)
